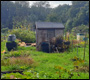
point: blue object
(85, 39)
(80, 34)
(45, 47)
(11, 37)
(11, 45)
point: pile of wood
(33, 44)
(21, 44)
(30, 44)
(26, 44)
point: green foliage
(13, 76)
(24, 35)
(81, 29)
(3, 47)
(44, 65)
(19, 13)
(68, 25)
(52, 17)
(61, 70)
(78, 14)
(4, 30)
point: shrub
(19, 61)
(4, 30)
(13, 76)
(58, 44)
(24, 35)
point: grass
(44, 63)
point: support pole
(77, 50)
(84, 48)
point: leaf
(65, 70)
(56, 67)
(3, 51)
(75, 57)
(57, 72)
(76, 63)
(69, 72)
(82, 61)
(61, 68)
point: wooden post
(49, 47)
(57, 50)
(68, 35)
(77, 50)
(84, 48)
(72, 45)
(65, 36)
(68, 38)
(63, 46)
(4, 37)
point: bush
(24, 35)
(4, 30)
(58, 44)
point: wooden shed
(47, 30)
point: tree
(68, 25)
(80, 29)
(39, 4)
(52, 18)
(61, 12)
(78, 13)
(19, 13)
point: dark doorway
(45, 47)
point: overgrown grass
(44, 66)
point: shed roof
(49, 25)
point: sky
(55, 3)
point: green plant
(12, 54)
(43, 66)
(13, 76)
(4, 30)
(24, 67)
(24, 34)
(61, 70)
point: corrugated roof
(49, 25)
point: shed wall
(59, 32)
(46, 34)
(41, 36)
